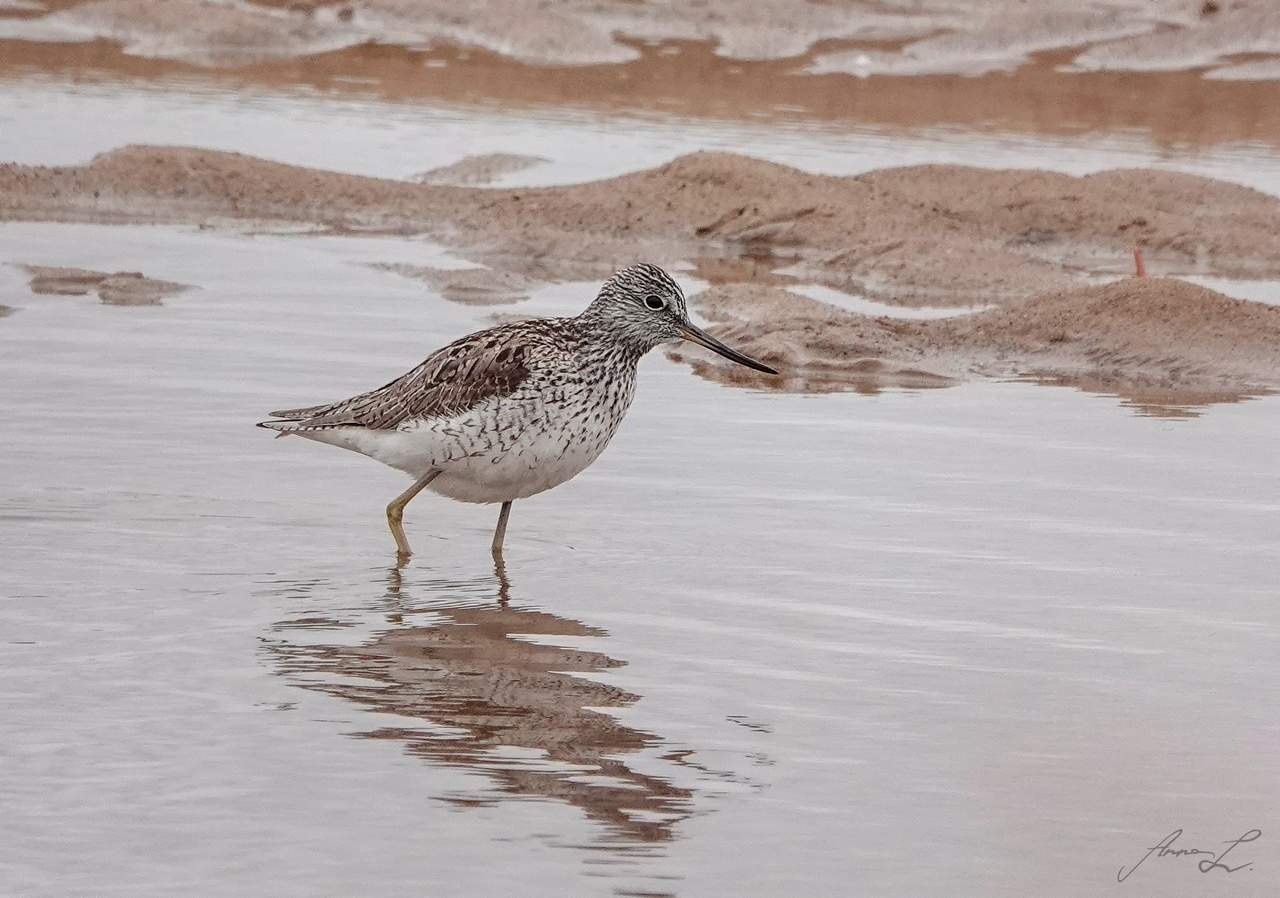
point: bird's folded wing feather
(450, 381)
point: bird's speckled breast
(554, 426)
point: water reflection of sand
(485, 689)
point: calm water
(44, 121)
(989, 640)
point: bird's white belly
(536, 463)
(492, 453)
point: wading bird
(505, 413)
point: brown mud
(121, 288)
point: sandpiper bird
(508, 412)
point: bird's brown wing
(450, 381)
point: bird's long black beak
(702, 338)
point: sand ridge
(936, 234)
(1134, 336)
(1031, 242)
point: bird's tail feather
(282, 428)
(291, 419)
(297, 414)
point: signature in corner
(1212, 860)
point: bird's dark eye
(654, 303)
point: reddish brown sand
(122, 288)
(916, 235)
(1153, 340)
(923, 235)
(861, 37)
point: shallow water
(989, 640)
(864, 306)
(42, 121)
(995, 639)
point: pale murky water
(988, 640)
(991, 640)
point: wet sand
(935, 235)
(921, 38)
(120, 288)
(1157, 342)
(970, 235)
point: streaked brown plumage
(479, 366)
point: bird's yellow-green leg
(501, 532)
(395, 511)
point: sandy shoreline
(1032, 243)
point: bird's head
(643, 306)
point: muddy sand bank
(915, 235)
(1031, 242)
(1160, 343)
(856, 38)
(120, 288)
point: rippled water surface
(989, 640)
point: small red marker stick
(1138, 264)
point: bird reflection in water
(466, 671)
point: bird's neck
(619, 338)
